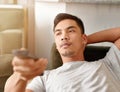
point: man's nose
(65, 36)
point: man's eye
(57, 33)
(71, 30)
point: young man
(76, 74)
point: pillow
(55, 58)
(5, 65)
(11, 18)
(10, 39)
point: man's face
(69, 40)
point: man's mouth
(65, 45)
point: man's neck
(71, 59)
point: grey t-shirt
(82, 76)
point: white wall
(44, 15)
(95, 17)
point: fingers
(117, 43)
(22, 62)
(28, 68)
(41, 65)
(22, 48)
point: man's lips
(65, 45)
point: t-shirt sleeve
(112, 60)
(36, 85)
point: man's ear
(84, 38)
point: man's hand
(117, 43)
(28, 68)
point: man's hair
(63, 16)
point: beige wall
(8, 1)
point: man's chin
(67, 54)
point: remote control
(24, 54)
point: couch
(5, 69)
(11, 37)
(91, 54)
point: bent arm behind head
(108, 35)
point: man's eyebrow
(57, 30)
(70, 27)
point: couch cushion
(5, 65)
(5, 69)
(11, 18)
(10, 39)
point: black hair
(63, 16)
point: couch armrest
(5, 65)
(5, 69)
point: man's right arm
(15, 84)
(24, 70)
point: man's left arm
(108, 35)
(112, 59)
(117, 43)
